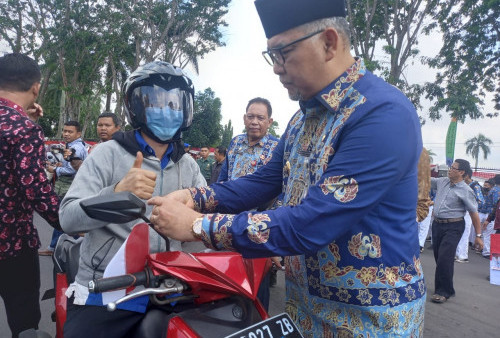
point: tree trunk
(45, 84)
(88, 118)
(109, 84)
(62, 115)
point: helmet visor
(157, 97)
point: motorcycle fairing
(215, 272)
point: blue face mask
(163, 122)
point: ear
(332, 43)
(35, 89)
(270, 121)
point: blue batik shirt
(243, 159)
(478, 192)
(491, 200)
(346, 168)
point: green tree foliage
(227, 134)
(273, 129)
(393, 26)
(469, 60)
(206, 129)
(87, 48)
(476, 145)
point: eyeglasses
(275, 55)
(453, 168)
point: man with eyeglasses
(345, 171)
(453, 199)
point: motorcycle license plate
(276, 327)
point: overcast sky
(238, 72)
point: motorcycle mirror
(119, 207)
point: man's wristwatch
(197, 227)
(479, 235)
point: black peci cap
(278, 16)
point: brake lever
(166, 287)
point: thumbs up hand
(138, 181)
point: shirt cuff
(204, 199)
(215, 232)
(205, 231)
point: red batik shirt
(24, 186)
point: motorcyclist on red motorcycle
(148, 161)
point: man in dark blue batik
(346, 171)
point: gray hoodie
(98, 175)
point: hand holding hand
(173, 219)
(138, 181)
(182, 196)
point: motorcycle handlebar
(119, 282)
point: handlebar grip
(119, 282)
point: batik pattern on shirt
(24, 187)
(243, 159)
(478, 192)
(348, 167)
(491, 200)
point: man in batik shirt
(24, 188)
(347, 169)
(248, 152)
(490, 203)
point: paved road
(472, 313)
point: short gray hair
(339, 23)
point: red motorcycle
(219, 288)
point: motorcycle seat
(67, 256)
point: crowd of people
(336, 196)
(487, 198)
